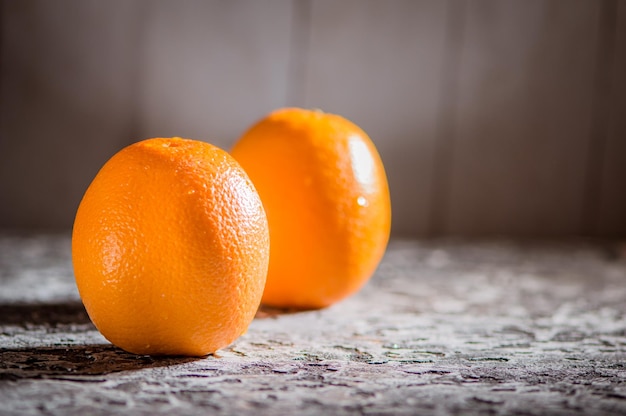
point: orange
(170, 248)
(326, 196)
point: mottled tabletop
(445, 327)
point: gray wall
(493, 117)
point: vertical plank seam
(299, 41)
(2, 36)
(144, 12)
(445, 136)
(600, 118)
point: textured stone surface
(444, 328)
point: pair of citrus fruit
(176, 243)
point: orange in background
(326, 196)
(170, 248)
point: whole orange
(170, 248)
(326, 196)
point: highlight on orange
(325, 192)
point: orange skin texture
(327, 201)
(170, 248)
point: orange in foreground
(170, 248)
(326, 196)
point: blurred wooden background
(493, 117)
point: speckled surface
(444, 328)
